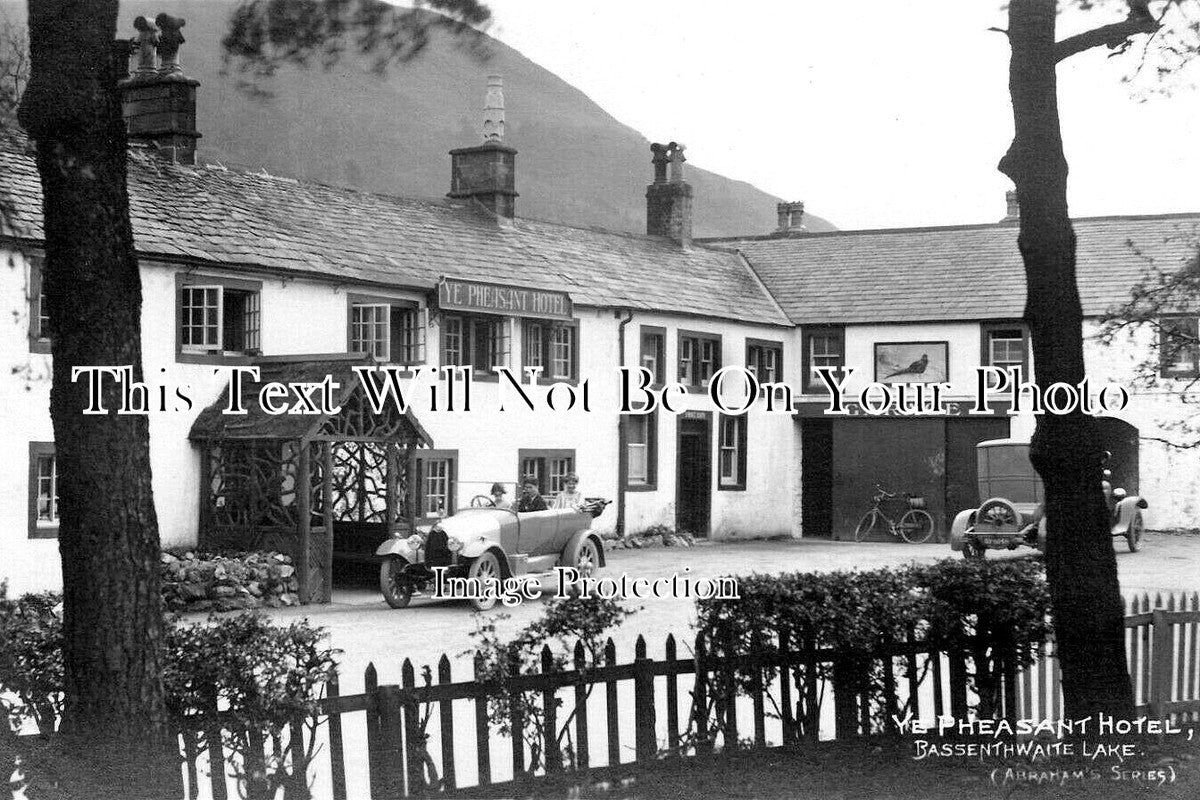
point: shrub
(235, 581)
(568, 626)
(988, 612)
(31, 663)
(244, 674)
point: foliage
(567, 635)
(243, 674)
(31, 662)
(1160, 294)
(984, 610)
(264, 34)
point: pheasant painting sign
(911, 362)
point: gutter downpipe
(622, 455)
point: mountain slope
(391, 133)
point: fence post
(1160, 674)
(483, 752)
(672, 697)
(611, 707)
(446, 724)
(582, 759)
(516, 721)
(700, 697)
(414, 737)
(645, 740)
(216, 754)
(337, 758)
(729, 685)
(550, 713)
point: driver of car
(498, 492)
(530, 499)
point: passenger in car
(498, 492)
(569, 497)
(531, 498)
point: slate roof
(953, 273)
(245, 220)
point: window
(699, 358)
(479, 341)
(823, 347)
(1179, 347)
(1005, 345)
(553, 346)
(654, 353)
(641, 442)
(218, 318)
(731, 452)
(437, 476)
(548, 467)
(387, 331)
(765, 360)
(39, 319)
(43, 491)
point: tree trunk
(1081, 566)
(108, 533)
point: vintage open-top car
(1012, 515)
(491, 544)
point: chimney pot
(1012, 212)
(669, 198)
(159, 102)
(493, 110)
(791, 217)
(486, 173)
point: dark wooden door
(816, 477)
(693, 483)
(902, 455)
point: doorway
(693, 479)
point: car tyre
(485, 568)
(1134, 535)
(397, 593)
(587, 560)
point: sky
(876, 113)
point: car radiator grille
(437, 554)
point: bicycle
(915, 525)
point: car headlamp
(454, 544)
(415, 541)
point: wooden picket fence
(799, 703)
(1162, 645)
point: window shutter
(575, 371)
(398, 351)
(419, 499)
(35, 300)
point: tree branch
(1111, 36)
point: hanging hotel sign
(492, 298)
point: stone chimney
(669, 198)
(486, 172)
(158, 101)
(1012, 212)
(791, 218)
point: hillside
(391, 133)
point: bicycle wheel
(868, 523)
(916, 526)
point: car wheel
(916, 526)
(973, 550)
(485, 569)
(866, 525)
(588, 559)
(396, 591)
(1134, 535)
